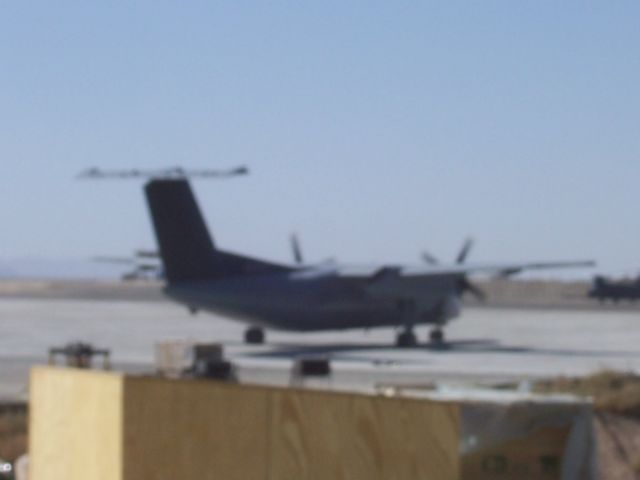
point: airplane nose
(452, 307)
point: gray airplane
(328, 296)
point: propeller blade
(477, 292)
(464, 251)
(429, 259)
(297, 252)
(464, 286)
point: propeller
(463, 285)
(428, 258)
(297, 251)
(464, 251)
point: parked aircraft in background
(142, 265)
(604, 289)
(325, 296)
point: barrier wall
(93, 425)
(513, 435)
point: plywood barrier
(75, 425)
(94, 425)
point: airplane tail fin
(186, 247)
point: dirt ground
(618, 444)
(13, 431)
(616, 400)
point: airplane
(305, 298)
(604, 289)
(143, 265)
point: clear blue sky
(374, 129)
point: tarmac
(486, 345)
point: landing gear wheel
(254, 336)
(436, 336)
(406, 339)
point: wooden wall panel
(99, 426)
(75, 420)
(316, 435)
(196, 430)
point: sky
(373, 129)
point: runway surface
(485, 345)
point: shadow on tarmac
(475, 346)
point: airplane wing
(500, 269)
(455, 270)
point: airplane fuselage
(291, 301)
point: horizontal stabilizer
(186, 248)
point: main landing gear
(254, 336)
(407, 312)
(436, 336)
(406, 339)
